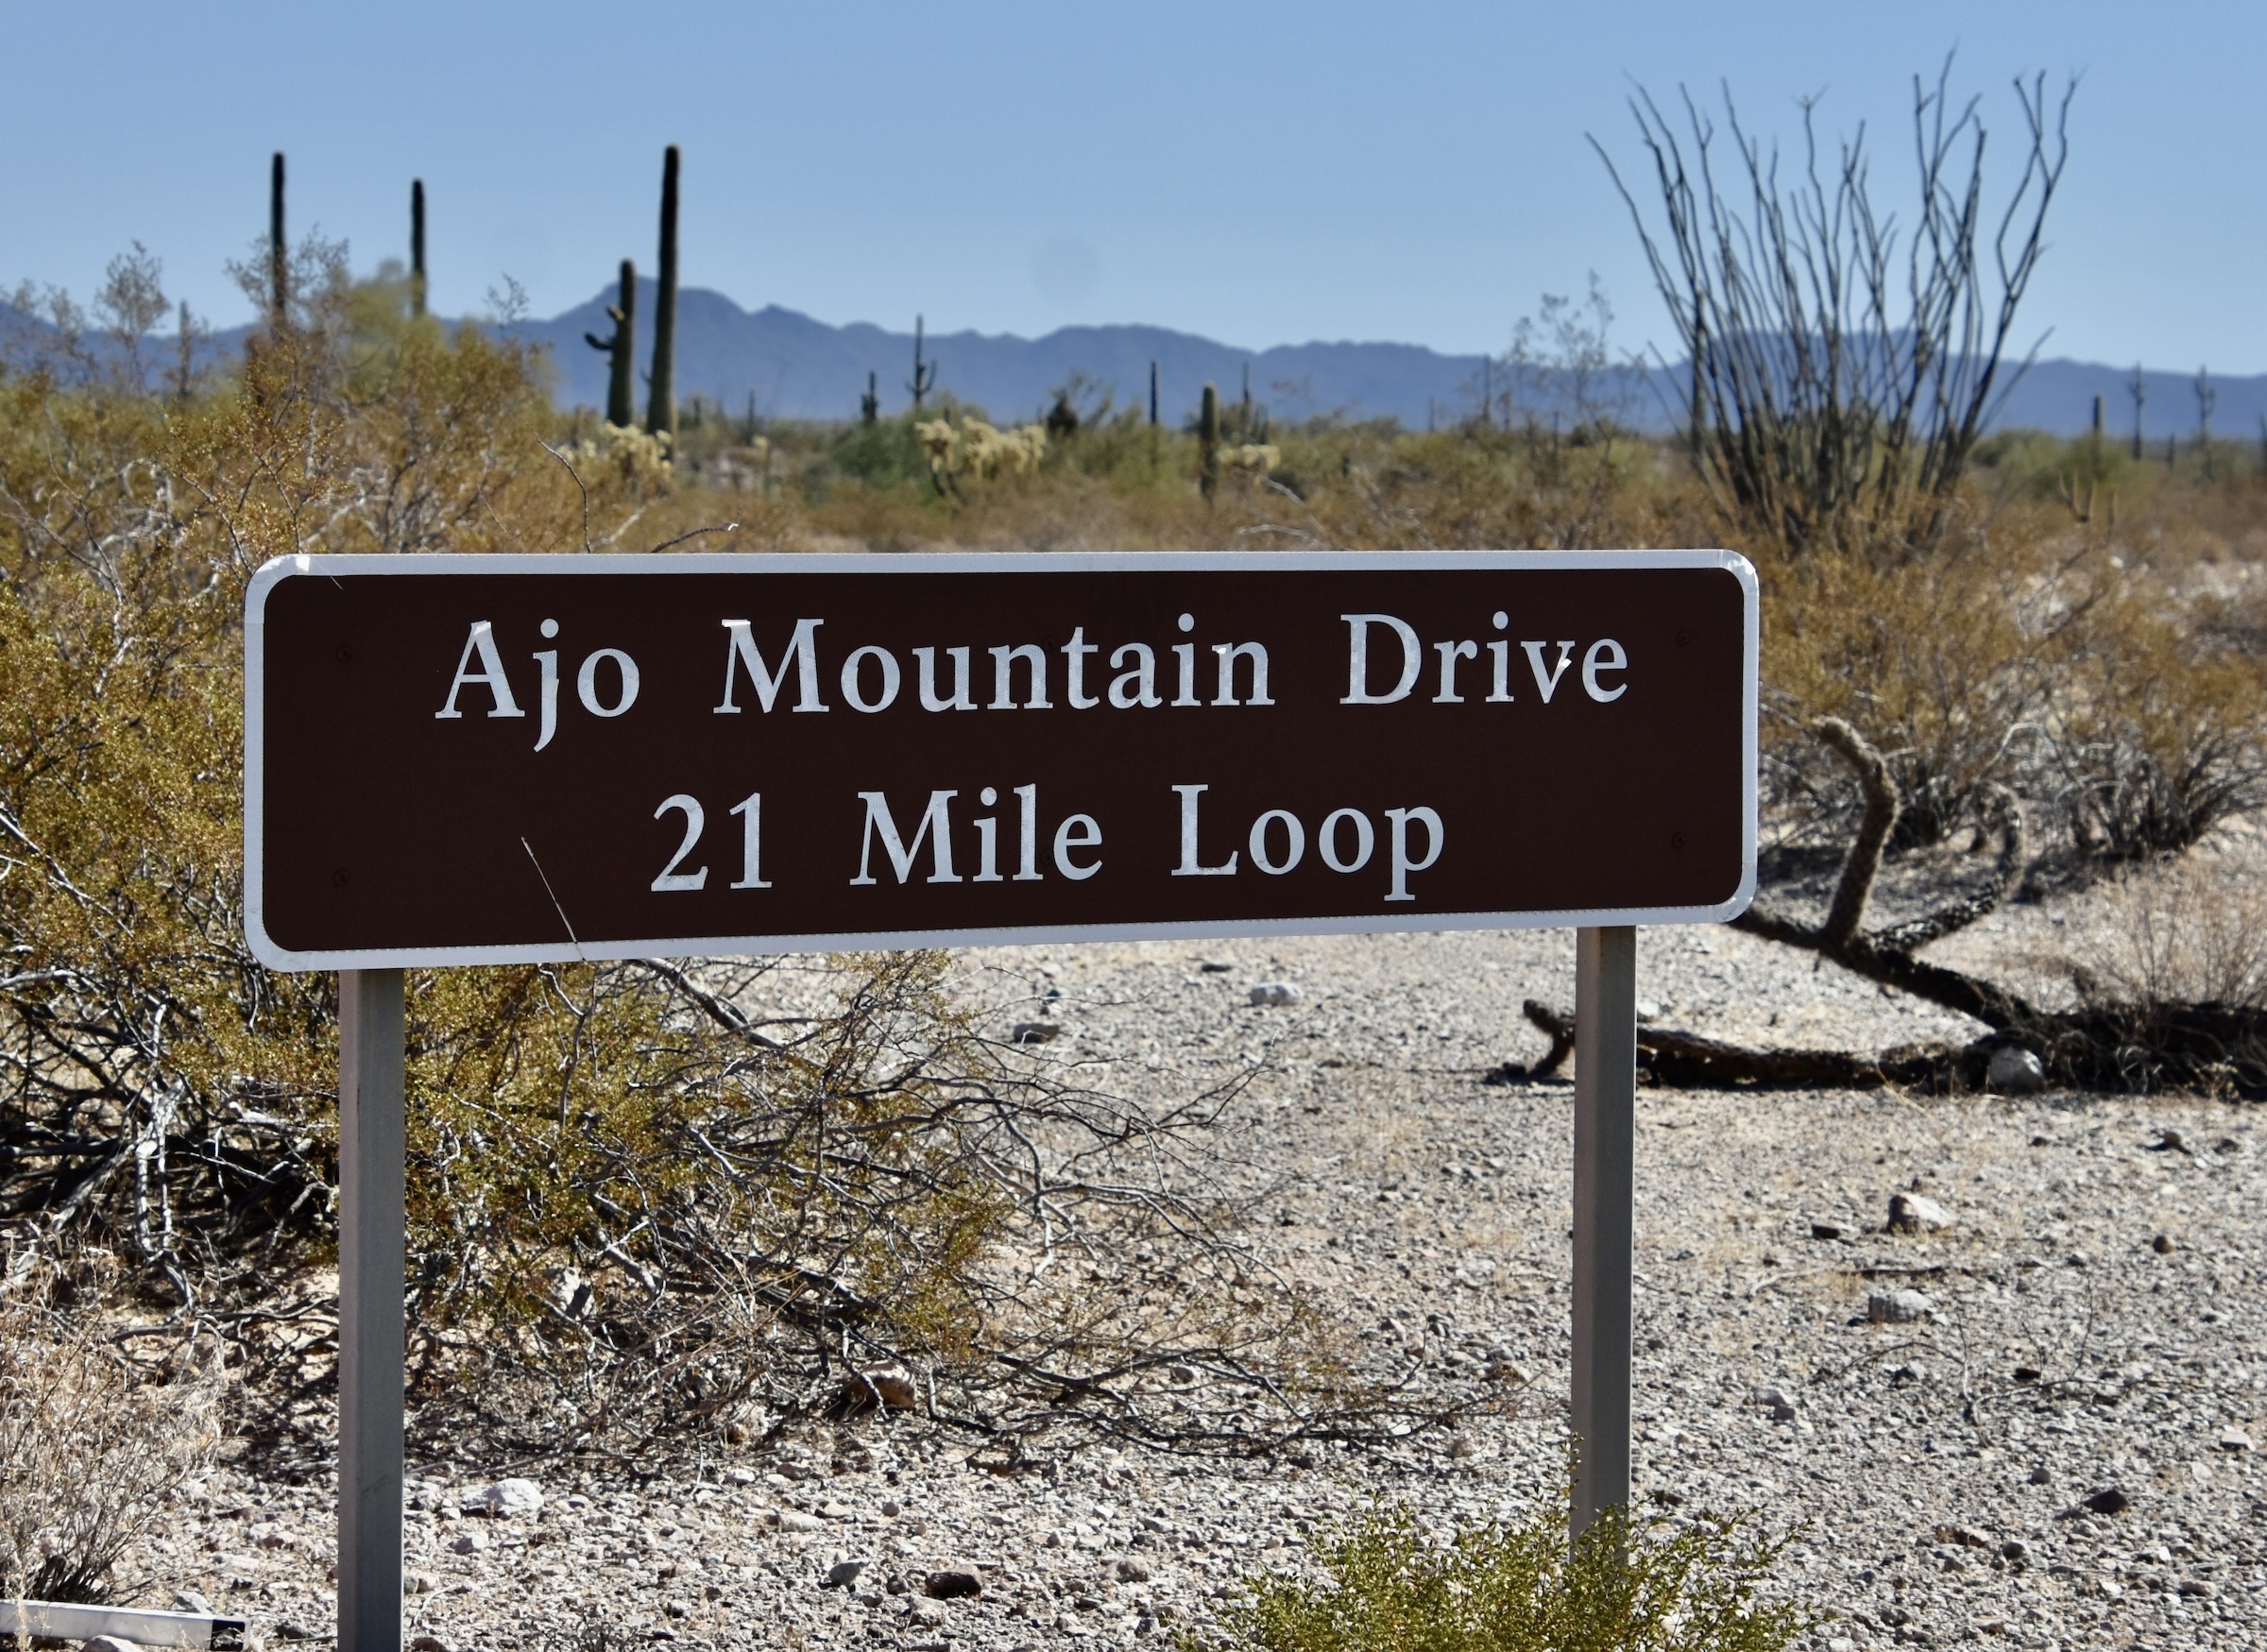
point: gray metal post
(1605, 1196)
(371, 1354)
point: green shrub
(1387, 1584)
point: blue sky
(1259, 174)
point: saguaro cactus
(417, 247)
(925, 378)
(869, 405)
(278, 255)
(621, 364)
(662, 408)
(1208, 441)
(1152, 392)
(2137, 387)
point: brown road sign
(484, 760)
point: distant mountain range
(799, 368)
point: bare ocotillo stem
(417, 247)
(662, 408)
(278, 256)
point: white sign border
(568, 951)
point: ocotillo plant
(925, 378)
(869, 405)
(621, 369)
(661, 409)
(417, 247)
(1208, 442)
(278, 255)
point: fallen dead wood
(1690, 1061)
(2102, 1044)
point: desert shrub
(2189, 931)
(636, 1196)
(1386, 1583)
(2156, 727)
(92, 1450)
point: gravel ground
(2086, 1321)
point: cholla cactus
(638, 458)
(977, 448)
(1251, 458)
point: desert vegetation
(653, 1204)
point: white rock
(795, 1520)
(471, 1543)
(108, 1644)
(1911, 1212)
(2234, 1439)
(511, 1499)
(843, 1572)
(2017, 1072)
(1275, 992)
(1898, 1307)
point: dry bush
(2189, 931)
(637, 1194)
(91, 1452)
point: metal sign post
(1605, 1213)
(371, 1351)
(519, 760)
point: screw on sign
(469, 759)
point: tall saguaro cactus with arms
(621, 364)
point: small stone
(2107, 1501)
(2227, 1144)
(419, 1583)
(892, 1508)
(1827, 1230)
(2017, 1072)
(795, 1520)
(2169, 1141)
(511, 1499)
(1896, 1308)
(1217, 965)
(2163, 1245)
(2234, 1439)
(430, 1643)
(952, 1584)
(2042, 1475)
(2198, 1587)
(1275, 992)
(1968, 1537)
(2014, 1549)
(1915, 1213)
(1459, 1445)
(843, 1573)
(190, 1600)
(471, 1543)
(1036, 1032)
(2028, 1373)
(1133, 1570)
(285, 1631)
(739, 1476)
